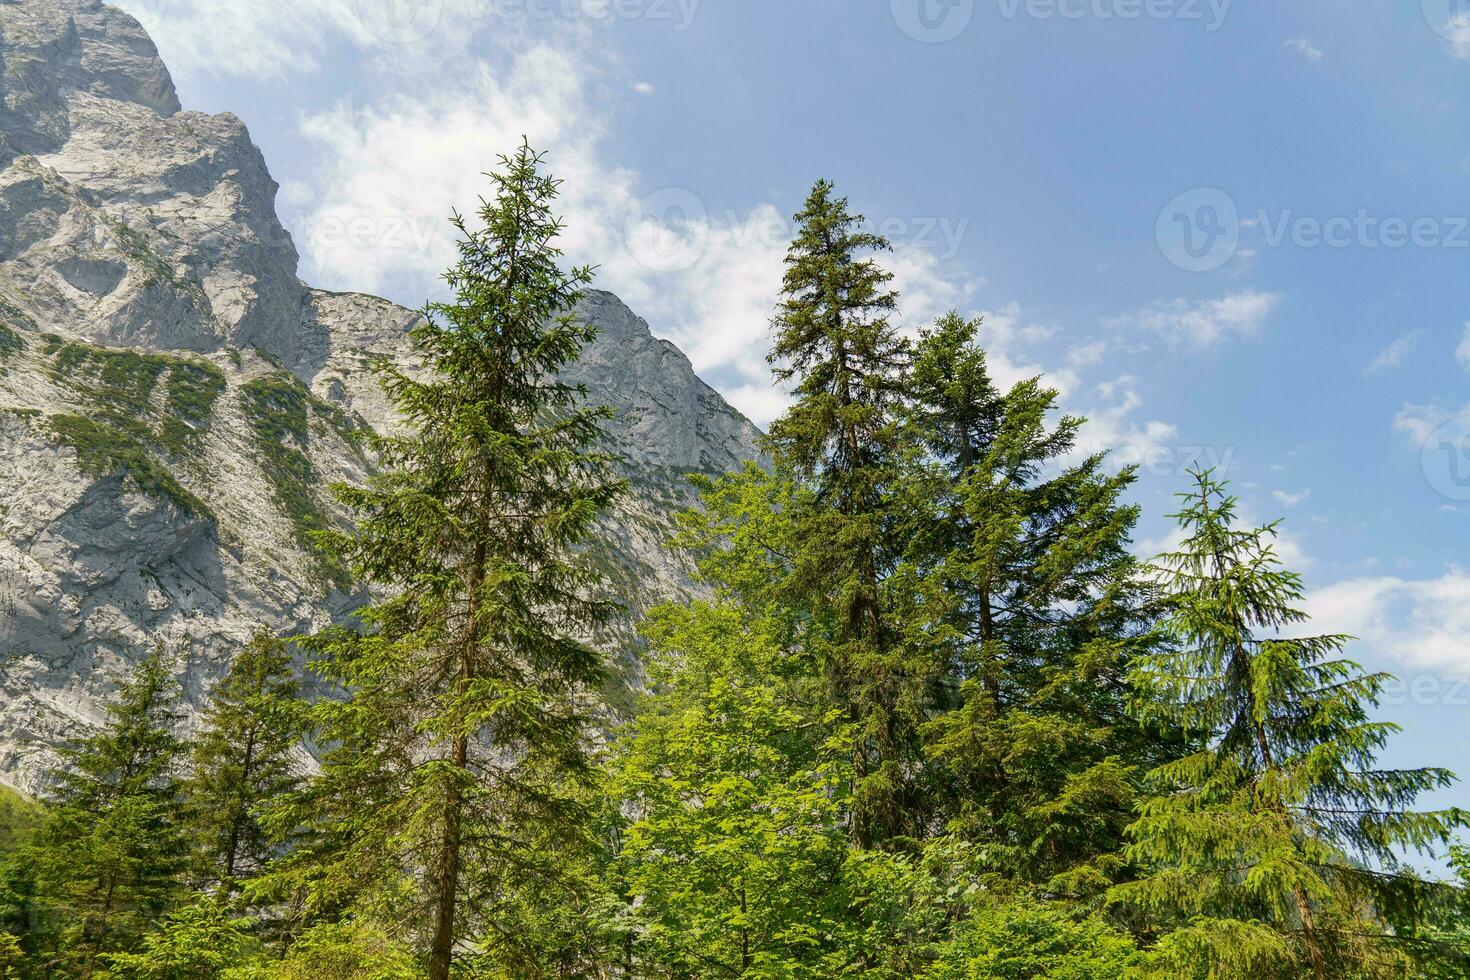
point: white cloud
(1462, 353)
(1086, 354)
(1151, 445)
(1393, 355)
(1456, 30)
(296, 194)
(391, 170)
(389, 165)
(1204, 322)
(1421, 623)
(644, 88)
(1418, 422)
(1307, 48)
(275, 39)
(1290, 499)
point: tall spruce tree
(833, 338)
(463, 720)
(244, 759)
(111, 852)
(1279, 844)
(1021, 564)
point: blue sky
(1038, 161)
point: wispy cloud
(1394, 354)
(1462, 353)
(1419, 623)
(1287, 499)
(1307, 48)
(389, 171)
(1456, 29)
(1204, 323)
(1419, 422)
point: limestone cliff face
(174, 400)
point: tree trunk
(441, 949)
(1309, 932)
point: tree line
(931, 718)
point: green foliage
(832, 337)
(734, 860)
(191, 390)
(120, 385)
(203, 941)
(347, 950)
(244, 759)
(930, 720)
(111, 850)
(1017, 564)
(11, 342)
(280, 409)
(12, 957)
(1278, 843)
(104, 449)
(1444, 952)
(1025, 939)
(18, 816)
(127, 428)
(458, 748)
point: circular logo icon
(667, 231)
(1450, 19)
(933, 21)
(401, 21)
(1199, 231)
(1446, 459)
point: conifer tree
(1279, 843)
(244, 758)
(111, 852)
(466, 694)
(1021, 561)
(833, 338)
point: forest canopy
(928, 714)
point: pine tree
(1279, 843)
(111, 853)
(244, 758)
(1021, 565)
(832, 337)
(462, 729)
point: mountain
(175, 401)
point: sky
(1230, 232)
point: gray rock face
(165, 379)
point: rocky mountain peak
(174, 400)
